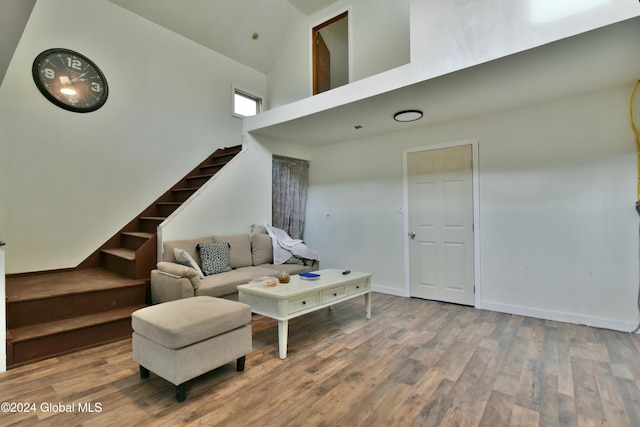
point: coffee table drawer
(303, 303)
(354, 288)
(333, 294)
(262, 305)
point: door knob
(412, 235)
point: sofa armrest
(180, 270)
(168, 287)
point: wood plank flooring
(415, 363)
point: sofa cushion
(289, 268)
(179, 323)
(239, 251)
(214, 257)
(188, 245)
(227, 283)
(261, 249)
(183, 257)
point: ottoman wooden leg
(240, 363)
(181, 393)
(144, 372)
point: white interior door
(440, 220)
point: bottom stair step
(37, 342)
(74, 323)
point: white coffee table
(300, 296)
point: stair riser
(119, 265)
(210, 169)
(24, 352)
(20, 314)
(132, 242)
(182, 195)
(166, 210)
(197, 182)
(149, 225)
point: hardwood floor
(415, 363)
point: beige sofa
(250, 256)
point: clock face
(70, 80)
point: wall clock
(70, 80)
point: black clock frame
(35, 71)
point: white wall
(379, 42)
(236, 198)
(70, 181)
(452, 35)
(558, 230)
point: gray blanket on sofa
(284, 247)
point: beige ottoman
(180, 340)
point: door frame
(318, 25)
(476, 210)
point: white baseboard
(595, 322)
(390, 291)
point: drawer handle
(358, 287)
(335, 294)
(304, 302)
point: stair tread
(228, 151)
(56, 284)
(51, 328)
(208, 175)
(185, 189)
(216, 162)
(140, 234)
(169, 203)
(154, 218)
(125, 253)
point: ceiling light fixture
(407, 116)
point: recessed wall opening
(330, 58)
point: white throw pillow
(182, 257)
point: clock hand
(78, 78)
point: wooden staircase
(53, 313)
(132, 251)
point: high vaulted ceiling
(228, 27)
(13, 17)
(221, 25)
